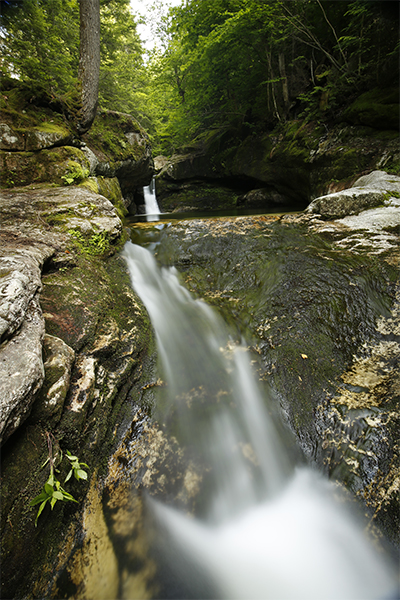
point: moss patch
(378, 108)
(55, 165)
(108, 140)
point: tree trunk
(89, 61)
(285, 87)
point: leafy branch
(52, 490)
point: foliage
(76, 173)
(122, 78)
(52, 490)
(249, 65)
(76, 468)
(40, 44)
(40, 47)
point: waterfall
(150, 201)
(269, 529)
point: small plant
(52, 490)
(76, 173)
(76, 468)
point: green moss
(106, 136)
(75, 173)
(110, 189)
(90, 183)
(378, 108)
(25, 168)
(95, 244)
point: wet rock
(319, 311)
(58, 361)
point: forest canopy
(244, 64)
(40, 47)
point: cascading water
(269, 529)
(150, 201)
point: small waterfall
(271, 530)
(150, 201)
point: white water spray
(273, 531)
(150, 201)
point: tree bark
(285, 87)
(89, 61)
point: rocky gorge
(315, 294)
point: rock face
(297, 161)
(74, 342)
(42, 148)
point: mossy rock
(62, 166)
(115, 137)
(377, 108)
(93, 307)
(282, 164)
(110, 188)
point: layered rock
(75, 339)
(44, 148)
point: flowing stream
(267, 528)
(150, 201)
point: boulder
(369, 191)
(62, 166)
(378, 108)
(44, 136)
(347, 202)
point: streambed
(305, 326)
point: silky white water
(150, 202)
(271, 530)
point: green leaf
(58, 495)
(70, 456)
(52, 502)
(41, 507)
(67, 496)
(81, 474)
(48, 488)
(68, 477)
(42, 497)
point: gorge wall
(77, 354)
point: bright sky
(141, 7)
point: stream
(266, 526)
